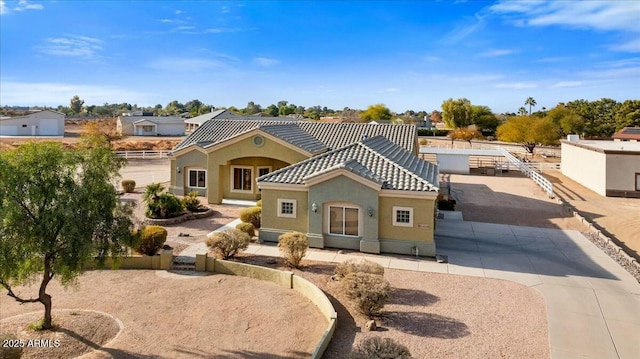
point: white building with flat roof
(610, 168)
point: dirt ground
(178, 316)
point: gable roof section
(31, 114)
(375, 159)
(331, 135)
(295, 136)
(219, 114)
(125, 120)
(627, 133)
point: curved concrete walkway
(593, 304)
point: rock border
(182, 218)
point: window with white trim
(344, 220)
(198, 178)
(287, 207)
(402, 216)
(241, 179)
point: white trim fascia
(188, 149)
(283, 186)
(342, 172)
(408, 194)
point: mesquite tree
(58, 210)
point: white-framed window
(147, 128)
(263, 170)
(198, 178)
(343, 220)
(287, 207)
(241, 179)
(402, 216)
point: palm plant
(151, 197)
(531, 102)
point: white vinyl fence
(143, 154)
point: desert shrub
(358, 266)
(128, 186)
(293, 246)
(228, 243)
(9, 351)
(251, 215)
(151, 238)
(380, 348)
(191, 201)
(423, 141)
(259, 203)
(370, 292)
(247, 228)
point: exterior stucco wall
(270, 218)
(621, 171)
(191, 160)
(585, 167)
(170, 129)
(453, 163)
(44, 123)
(252, 162)
(400, 239)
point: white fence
(530, 172)
(145, 155)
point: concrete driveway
(593, 304)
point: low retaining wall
(162, 261)
(282, 278)
(182, 218)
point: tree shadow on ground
(113, 352)
(345, 333)
(412, 297)
(426, 325)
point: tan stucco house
(149, 125)
(345, 185)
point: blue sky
(405, 54)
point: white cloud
(265, 61)
(225, 9)
(72, 46)
(166, 21)
(25, 5)
(462, 30)
(53, 94)
(517, 85)
(3, 7)
(186, 64)
(497, 53)
(597, 15)
(185, 28)
(631, 46)
(566, 84)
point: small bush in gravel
(191, 201)
(128, 186)
(358, 266)
(293, 246)
(380, 348)
(370, 292)
(251, 215)
(247, 228)
(151, 239)
(226, 244)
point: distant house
(627, 134)
(145, 124)
(47, 123)
(610, 168)
(346, 185)
(193, 123)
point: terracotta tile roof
(627, 133)
(375, 158)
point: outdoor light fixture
(314, 207)
(370, 210)
(178, 169)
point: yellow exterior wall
(423, 219)
(255, 163)
(270, 217)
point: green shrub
(259, 203)
(251, 215)
(128, 186)
(10, 351)
(151, 239)
(228, 243)
(380, 348)
(370, 292)
(247, 228)
(191, 201)
(293, 246)
(358, 266)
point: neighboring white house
(42, 123)
(195, 122)
(135, 125)
(610, 168)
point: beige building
(143, 125)
(41, 123)
(610, 168)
